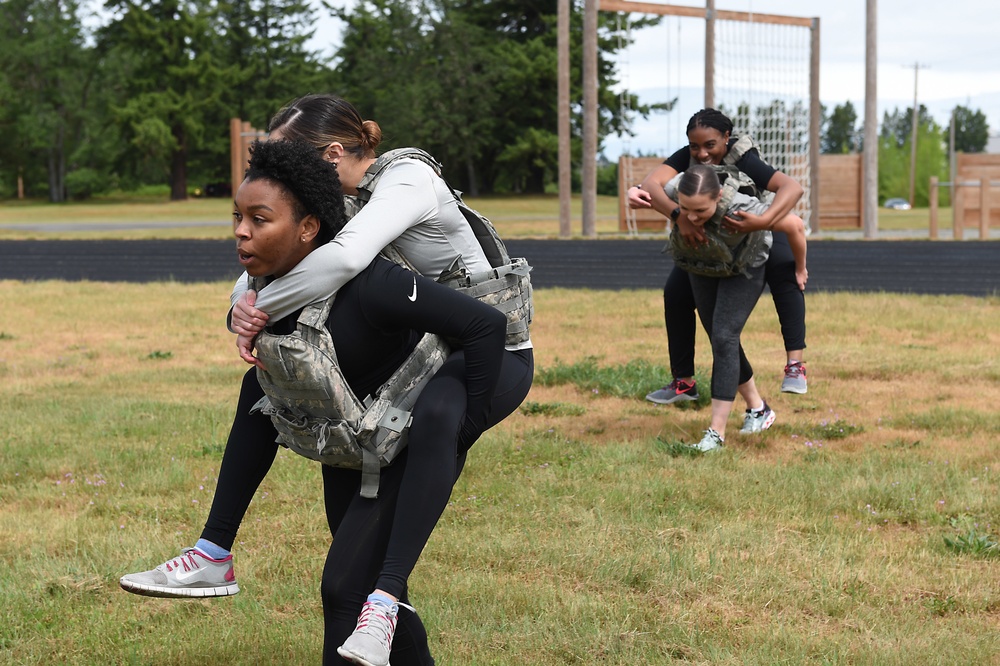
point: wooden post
(709, 54)
(588, 171)
(565, 131)
(871, 121)
(814, 114)
(958, 211)
(934, 208)
(235, 154)
(984, 209)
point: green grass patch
(531, 408)
(974, 543)
(627, 380)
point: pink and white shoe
(371, 641)
(193, 574)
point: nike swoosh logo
(413, 296)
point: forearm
(659, 200)
(787, 193)
(241, 287)
(793, 228)
(317, 277)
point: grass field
(860, 529)
(514, 217)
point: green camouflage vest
(314, 410)
(715, 258)
(506, 286)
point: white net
(762, 83)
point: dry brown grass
(570, 539)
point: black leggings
(724, 305)
(789, 303)
(361, 530)
(426, 485)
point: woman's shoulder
(409, 169)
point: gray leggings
(724, 305)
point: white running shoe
(193, 574)
(371, 641)
(712, 441)
(754, 422)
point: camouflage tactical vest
(716, 258)
(741, 147)
(314, 410)
(506, 286)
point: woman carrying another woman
(412, 208)
(726, 273)
(711, 142)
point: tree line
(842, 134)
(141, 93)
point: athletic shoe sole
(353, 658)
(683, 397)
(179, 592)
(801, 390)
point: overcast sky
(956, 43)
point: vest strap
(369, 474)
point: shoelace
(794, 370)
(677, 386)
(379, 621)
(186, 560)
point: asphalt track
(900, 266)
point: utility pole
(913, 135)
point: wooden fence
(839, 195)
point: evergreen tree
(44, 85)
(173, 82)
(473, 82)
(971, 130)
(840, 134)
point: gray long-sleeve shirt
(411, 207)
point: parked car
(897, 204)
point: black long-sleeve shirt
(379, 316)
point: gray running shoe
(371, 641)
(676, 391)
(193, 574)
(795, 379)
(711, 441)
(754, 422)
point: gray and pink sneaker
(193, 574)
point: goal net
(762, 83)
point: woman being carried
(726, 274)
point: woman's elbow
(793, 188)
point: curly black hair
(311, 182)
